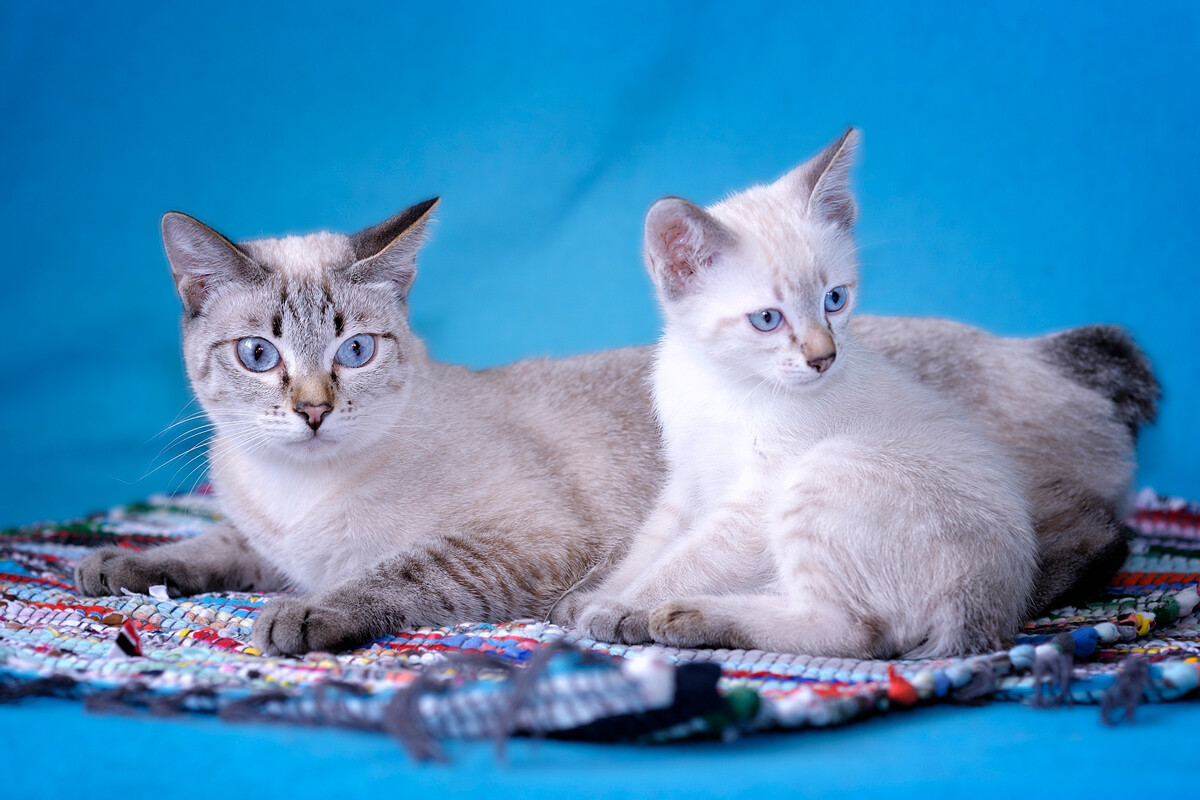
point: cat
(819, 498)
(405, 492)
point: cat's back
(607, 391)
(877, 399)
(1037, 395)
(578, 432)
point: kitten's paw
(683, 623)
(610, 621)
(569, 608)
(110, 569)
(296, 625)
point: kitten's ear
(823, 182)
(202, 258)
(388, 251)
(682, 240)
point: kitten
(819, 499)
(404, 492)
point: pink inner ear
(681, 260)
(679, 256)
(193, 290)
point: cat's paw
(297, 625)
(611, 621)
(569, 607)
(110, 569)
(684, 623)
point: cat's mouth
(801, 377)
(318, 442)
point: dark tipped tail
(1106, 359)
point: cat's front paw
(297, 625)
(110, 569)
(569, 607)
(684, 623)
(611, 621)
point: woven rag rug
(1137, 642)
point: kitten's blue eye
(835, 299)
(766, 320)
(257, 355)
(356, 351)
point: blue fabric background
(1026, 167)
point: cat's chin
(310, 448)
(799, 381)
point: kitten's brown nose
(823, 362)
(314, 413)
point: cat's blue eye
(835, 299)
(257, 355)
(356, 351)
(766, 320)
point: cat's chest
(715, 446)
(314, 526)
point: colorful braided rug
(1138, 642)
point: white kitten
(819, 498)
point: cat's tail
(1105, 358)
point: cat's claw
(614, 622)
(108, 570)
(298, 625)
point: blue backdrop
(1026, 167)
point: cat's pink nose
(822, 363)
(313, 413)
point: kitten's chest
(716, 450)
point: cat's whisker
(201, 446)
(247, 443)
(197, 461)
(157, 458)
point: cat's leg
(729, 552)
(217, 559)
(1082, 544)
(457, 577)
(830, 561)
(666, 522)
(768, 622)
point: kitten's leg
(727, 553)
(768, 622)
(457, 577)
(666, 523)
(219, 558)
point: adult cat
(391, 490)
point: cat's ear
(682, 241)
(387, 252)
(201, 258)
(823, 182)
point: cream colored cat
(819, 498)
